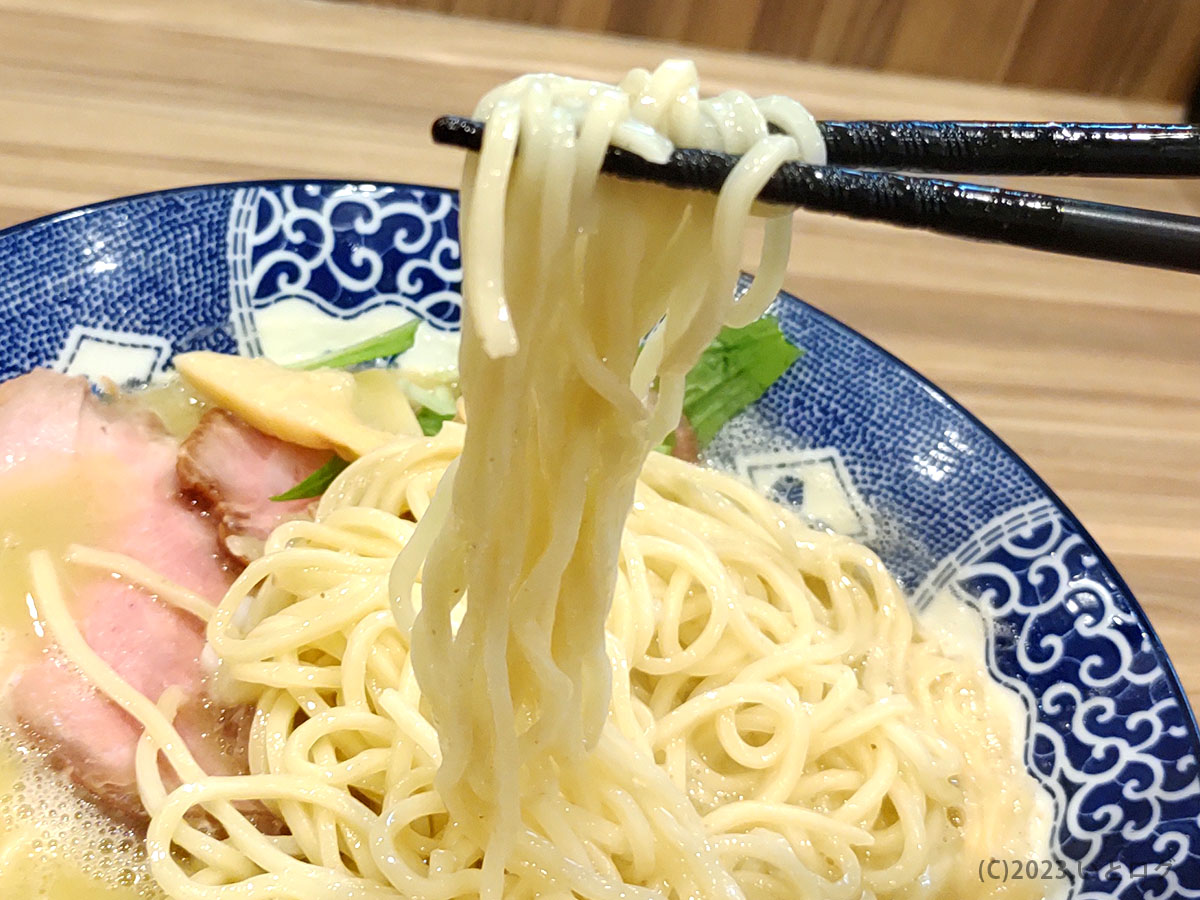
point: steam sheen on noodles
(523, 659)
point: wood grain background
(1125, 48)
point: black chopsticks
(1016, 148)
(981, 148)
(1023, 219)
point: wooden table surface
(1091, 371)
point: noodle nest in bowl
(772, 717)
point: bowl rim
(1068, 514)
(1144, 622)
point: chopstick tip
(457, 131)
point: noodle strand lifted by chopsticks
(566, 274)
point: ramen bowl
(849, 436)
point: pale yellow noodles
(775, 728)
(525, 660)
(131, 570)
(565, 274)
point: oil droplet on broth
(54, 845)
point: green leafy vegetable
(734, 371)
(430, 421)
(316, 483)
(389, 343)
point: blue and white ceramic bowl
(116, 289)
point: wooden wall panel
(1109, 38)
(855, 33)
(1129, 48)
(976, 39)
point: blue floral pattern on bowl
(344, 250)
(115, 290)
